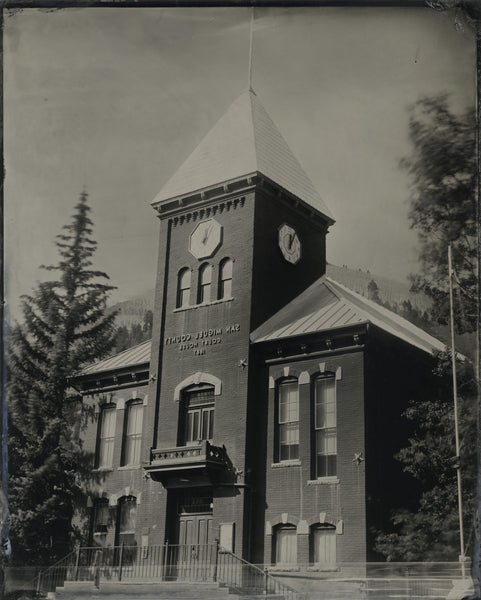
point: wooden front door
(195, 538)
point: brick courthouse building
(267, 409)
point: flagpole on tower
(250, 49)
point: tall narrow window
(183, 287)
(126, 521)
(197, 421)
(105, 452)
(225, 279)
(325, 426)
(288, 420)
(205, 283)
(101, 517)
(286, 545)
(133, 434)
(323, 539)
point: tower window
(205, 283)
(183, 288)
(133, 433)
(288, 420)
(105, 448)
(325, 426)
(197, 420)
(225, 279)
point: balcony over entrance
(184, 466)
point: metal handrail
(51, 577)
(241, 575)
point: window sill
(103, 469)
(128, 467)
(184, 308)
(285, 569)
(320, 569)
(286, 463)
(323, 481)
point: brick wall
(293, 494)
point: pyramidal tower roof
(244, 142)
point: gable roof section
(328, 305)
(137, 355)
(245, 141)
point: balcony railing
(200, 460)
(203, 452)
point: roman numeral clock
(289, 243)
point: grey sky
(114, 100)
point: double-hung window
(286, 545)
(325, 426)
(126, 521)
(133, 434)
(183, 288)
(225, 279)
(198, 417)
(105, 452)
(288, 420)
(205, 283)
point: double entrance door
(194, 551)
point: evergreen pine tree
(65, 326)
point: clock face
(289, 244)
(205, 238)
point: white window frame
(325, 428)
(106, 443)
(133, 436)
(288, 421)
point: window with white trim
(127, 514)
(286, 545)
(106, 439)
(133, 433)
(288, 420)
(323, 545)
(325, 426)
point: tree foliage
(442, 168)
(65, 326)
(126, 337)
(432, 532)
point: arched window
(101, 518)
(288, 420)
(183, 287)
(196, 421)
(127, 514)
(133, 433)
(106, 436)
(286, 545)
(325, 426)
(323, 545)
(225, 279)
(205, 283)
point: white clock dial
(289, 243)
(205, 239)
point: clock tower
(242, 233)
